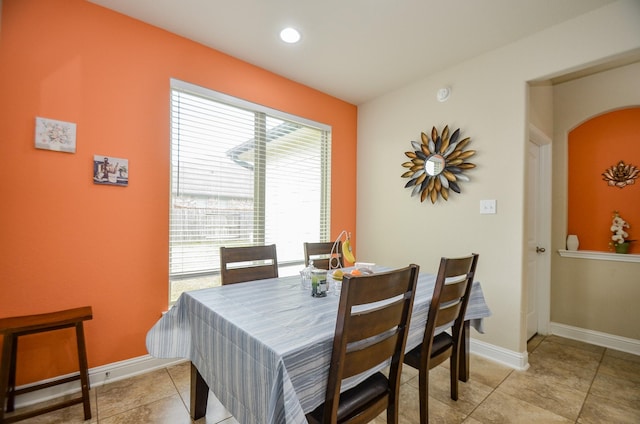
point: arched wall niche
(595, 145)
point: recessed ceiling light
(290, 35)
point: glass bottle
(305, 276)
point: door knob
(540, 249)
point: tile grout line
(503, 380)
(165, 369)
(175, 386)
(493, 390)
(486, 397)
(184, 403)
(591, 384)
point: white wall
(541, 107)
(489, 104)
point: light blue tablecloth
(264, 347)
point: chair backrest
(450, 298)
(369, 334)
(320, 254)
(240, 264)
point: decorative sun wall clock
(437, 164)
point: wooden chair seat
(357, 400)
(442, 345)
(13, 327)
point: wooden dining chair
(447, 310)
(320, 254)
(247, 263)
(367, 335)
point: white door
(537, 227)
(533, 247)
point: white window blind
(243, 174)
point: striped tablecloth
(264, 347)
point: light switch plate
(487, 207)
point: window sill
(601, 256)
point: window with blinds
(242, 174)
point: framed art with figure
(110, 171)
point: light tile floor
(567, 382)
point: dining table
(264, 347)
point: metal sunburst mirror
(437, 164)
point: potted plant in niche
(619, 240)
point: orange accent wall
(595, 146)
(65, 242)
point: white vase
(572, 242)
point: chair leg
(423, 382)
(392, 413)
(454, 363)
(463, 373)
(84, 370)
(392, 408)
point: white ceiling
(354, 50)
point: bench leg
(84, 370)
(5, 371)
(199, 394)
(8, 373)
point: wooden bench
(13, 327)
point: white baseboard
(520, 361)
(610, 341)
(510, 358)
(97, 376)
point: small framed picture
(55, 135)
(110, 171)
